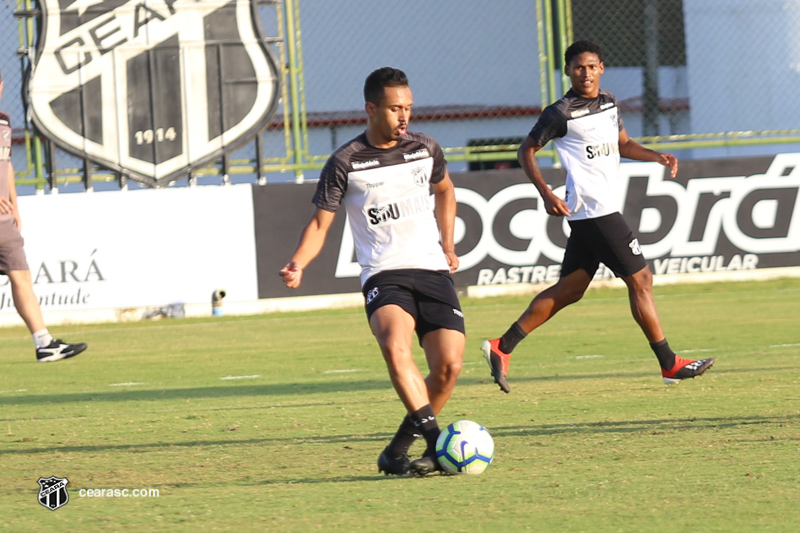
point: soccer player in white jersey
(13, 262)
(587, 131)
(404, 244)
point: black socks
(665, 355)
(420, 423)
(511, 338)
(424, 421)
(406, 434)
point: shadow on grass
(327, 387)
(195, 444)
(221, 391)
(653, 426)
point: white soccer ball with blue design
(464, 447)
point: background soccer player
(587, 131)
(406, 251)
(13, 262)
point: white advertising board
(138, 248)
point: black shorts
(429, 296)
(608, 240)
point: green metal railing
(554, 28)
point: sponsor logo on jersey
(600, 150)
(375, 185)
(360, 165)
(579, 113)
(5, 153)
(419, 154)
(392, 212)
(151, 89)
(607, 105)
(458, 313)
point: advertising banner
(716, 216)
(138, 248)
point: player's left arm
(632, 150)
(444, 196)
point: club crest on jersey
(151, 89)
(635, 248)
(420, 177)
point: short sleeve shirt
(388, 201)
(585, 132)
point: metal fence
(701, 78)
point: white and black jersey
(585, 132)
(387, 196)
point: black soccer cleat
(389, 463)
(58, 350)
(427, 464)
(685, 369)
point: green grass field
(274, 423)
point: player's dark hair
(379, 79)
(579, 47)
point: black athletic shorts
(608, 240)
(429, 296)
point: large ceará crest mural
(151, 88)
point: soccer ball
(464, 447)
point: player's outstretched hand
(292, 275)
(670, 161)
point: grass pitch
(274, 423)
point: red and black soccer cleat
(498, 362)
(685, 369)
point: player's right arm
(527, 159)
(312, 239)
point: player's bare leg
(394, 330)
(643, 307)
(48, 349)
(25, 299)
(444, 350)
(568, 290)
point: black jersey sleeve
(439, 162)
(332, 184)
(552, 124)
